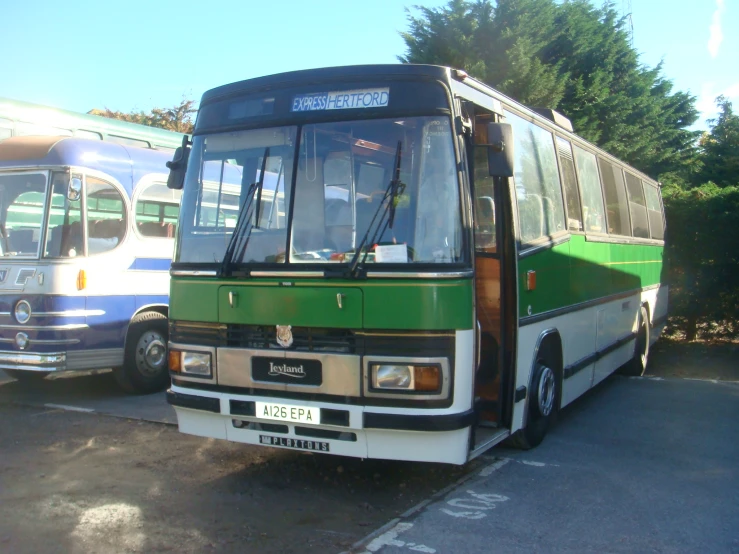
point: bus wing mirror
(178, 165)
(500, 149)
(74, 190)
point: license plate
(286, 412)
(298, 444)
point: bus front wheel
(145, 365)
(542, 408)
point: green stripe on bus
(580, 270)
(388, 304)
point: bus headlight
(421, 378)
(190, 363)
(22, 312)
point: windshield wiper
(242, 231)
(394, 188)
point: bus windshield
(341, 183)
(22, 198)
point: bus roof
(124, 163)
(308, 76)
(26, 112)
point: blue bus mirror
(74, 190)
(178, 165)
(500, 149)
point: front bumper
(32, 361)
(402, 434)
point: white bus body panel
(583, 333)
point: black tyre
(638, 364)
(543, 404)
(26, 376)
(145, 365)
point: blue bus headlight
(418, 378)
(22, 312)
(190, 363)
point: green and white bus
(449, 268)
(23, 119)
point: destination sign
(341, 100)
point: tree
(567, 56)
(176, 119)
(702, 254)
(720, 147)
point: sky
(136, 54)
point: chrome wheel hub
(151, 353)
(545, 391)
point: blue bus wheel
(145, 367)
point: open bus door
(495, 284)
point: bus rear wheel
(26, 376)
(542, 409)
(145, 365)
(638, 364)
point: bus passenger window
(106, 216)
(156, 210)
(617, 211)
(540, 207)
(572, 197)
(484, 203)
(6, 128)
(592, 196)
(64, 227)
(25, 129)
(637, 206)
(654, 209)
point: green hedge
(702, 256)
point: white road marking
(69, 408)
(390, 538)
(478, 502)
(530, 463)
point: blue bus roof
(124, 163)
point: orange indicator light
(81, 280)
(531, 280)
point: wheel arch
(159, 308)
(550, 342)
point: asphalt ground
(88, 392)
(637, 465)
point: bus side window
(617, 209)
(6, 128)
(156, 211)
(591, 194)
(654, 209)
(106, 216)
(484, 204)
(572, 197)
(540, 204)
(64, 232)
(637, 206)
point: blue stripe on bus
(107, 328)
(151, 264)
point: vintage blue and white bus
(86, 240)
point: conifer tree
(567, 56)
